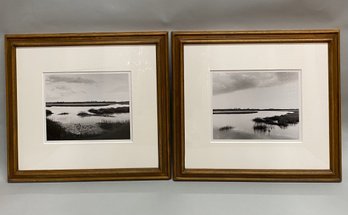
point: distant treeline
(250, 110)
(86, 103)
(257, 109)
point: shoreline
(250, 111)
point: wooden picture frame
(313, 54)
(141, 55)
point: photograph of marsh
(87, 106)
(256, 105)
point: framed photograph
(87, 107)
(257, 106)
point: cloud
(86, 86)
(60, 87)
(67, 79)
(226, 82)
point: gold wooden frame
(160, 39)
(331, 37)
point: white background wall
(168, 197)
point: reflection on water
(244, 126)
(262, 128)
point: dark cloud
(67, 79)
(225, 82)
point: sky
(78, 87)
(275, 89)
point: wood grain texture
(160, 39)
(331, 37)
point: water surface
(242, 126)
(91, 126)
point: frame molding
(179, 39)
(160, 39)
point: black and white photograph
(256, 105)
(87, 106)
